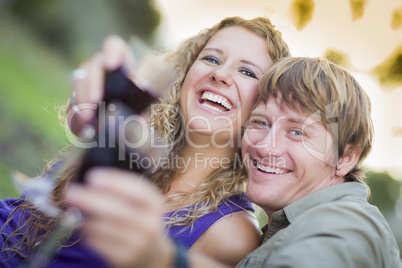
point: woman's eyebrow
(220, 51)
(253, 64)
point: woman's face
(221, 86)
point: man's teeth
(217, 99)
(270, 169)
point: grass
(33, 84)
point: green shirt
(332, 227)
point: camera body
(122, 99)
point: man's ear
(348, 161)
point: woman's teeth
(212, 107)
(271, 169)
(222, 101)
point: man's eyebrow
(289, 119)
(305, 122)
(258, 114)
(220, 51)
(297, 120)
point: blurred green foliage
(385, 191)
(33, 84)
(389, 72)
(41, 42)
(77, 28)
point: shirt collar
(354, 190)
(282, 218)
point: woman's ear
(348, 161)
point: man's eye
(248, 73)
(211, 59)
(259, 124)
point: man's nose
(271, 143)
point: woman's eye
(211, 59)
(296, 133)
(248, 73)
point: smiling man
(303, 147)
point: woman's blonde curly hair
(165, 118)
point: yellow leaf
(357, 7)
(396, 21)
(301, 12)
(390, 71)
(337, 57)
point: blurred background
(42, 41)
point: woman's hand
(122, 218)
(88, 88)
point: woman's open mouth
(215, 102)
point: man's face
(288, 155)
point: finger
(123, 233)
(111, 224)
(94, 203)
(94, 90)
(117, 53)
(97, 204)
(115, 221)
(128, 185)
(117, 253)
(73, 119)
(89, 91)
(122, 244)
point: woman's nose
(222, 75)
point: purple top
(78, 255)
(187, 235)
(81, 255)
